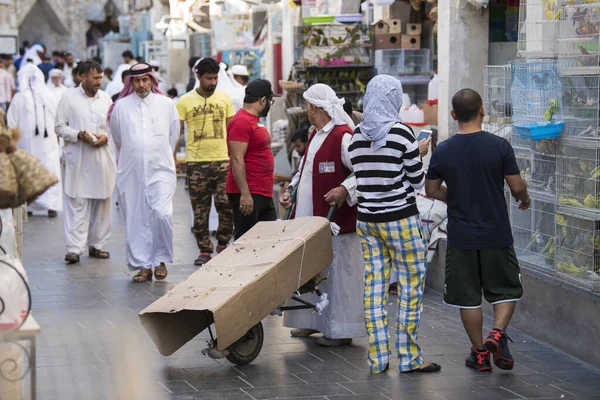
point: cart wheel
(247, 348)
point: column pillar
(462, 54)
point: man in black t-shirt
(474, 165)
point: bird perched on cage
(553, 106)
(536, 243)
(591, 61)
(551, 187)
(501, 107)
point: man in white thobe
(33, 111)
(56, 89)
(144, 127)
(326, 162)
(89, 165)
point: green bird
(552, 108)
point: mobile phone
(424, 134)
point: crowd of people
(369, 173)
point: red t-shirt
(260, 165)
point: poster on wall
(233, 34)
(248, 57)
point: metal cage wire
(533, 233)
(579, 37)
(538, 28)
(496, 93)
(580, 109)
(534, 83)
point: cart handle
(288, 212)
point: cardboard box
(387, 41)
(410, 42)
(430, 111)
(242, 285)
(414, 29)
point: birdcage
(538, 28)
(578, 249)
(579, 39)
(578, 178)
(334, 45)
(537, 163)
(580, 109)
(496, 94)
(403, 61)
(533, 233)
(536, 98)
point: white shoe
(323, 341)
(303, 332)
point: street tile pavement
(90, 332)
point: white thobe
(26, 116)
(89, 171)
(56, 92)
(144, 133)
(116, 85)
(68, 74)
(344, 318)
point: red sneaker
(497, 344)
(479, 360)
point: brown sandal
(101, 254)
(143, 275)
(160, 272)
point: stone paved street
(87, 311)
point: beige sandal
(160, 272)
(143, 275)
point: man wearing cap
(144, 127)
(239, 80)
(251, 165)
(206, 111)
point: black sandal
(101, 254)
(432, 367)
(72, 258)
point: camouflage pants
(207, 179)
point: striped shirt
(388, 177)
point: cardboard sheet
(242, 285)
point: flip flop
(160, 272)
(432, 367)
(143, 275)
(72, 258)
(101, 254)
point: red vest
(331, 152)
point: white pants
(88, 222)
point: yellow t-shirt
(206, 119)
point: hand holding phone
(424, 134)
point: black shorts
(469, 272)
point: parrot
(589, 201)
(552, 108)
(595, 173)
(548, 251)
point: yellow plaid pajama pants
(401, 247)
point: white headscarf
(381, 103)
(322, 96)
(32, 54)
(53, 72)
(32, 86)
